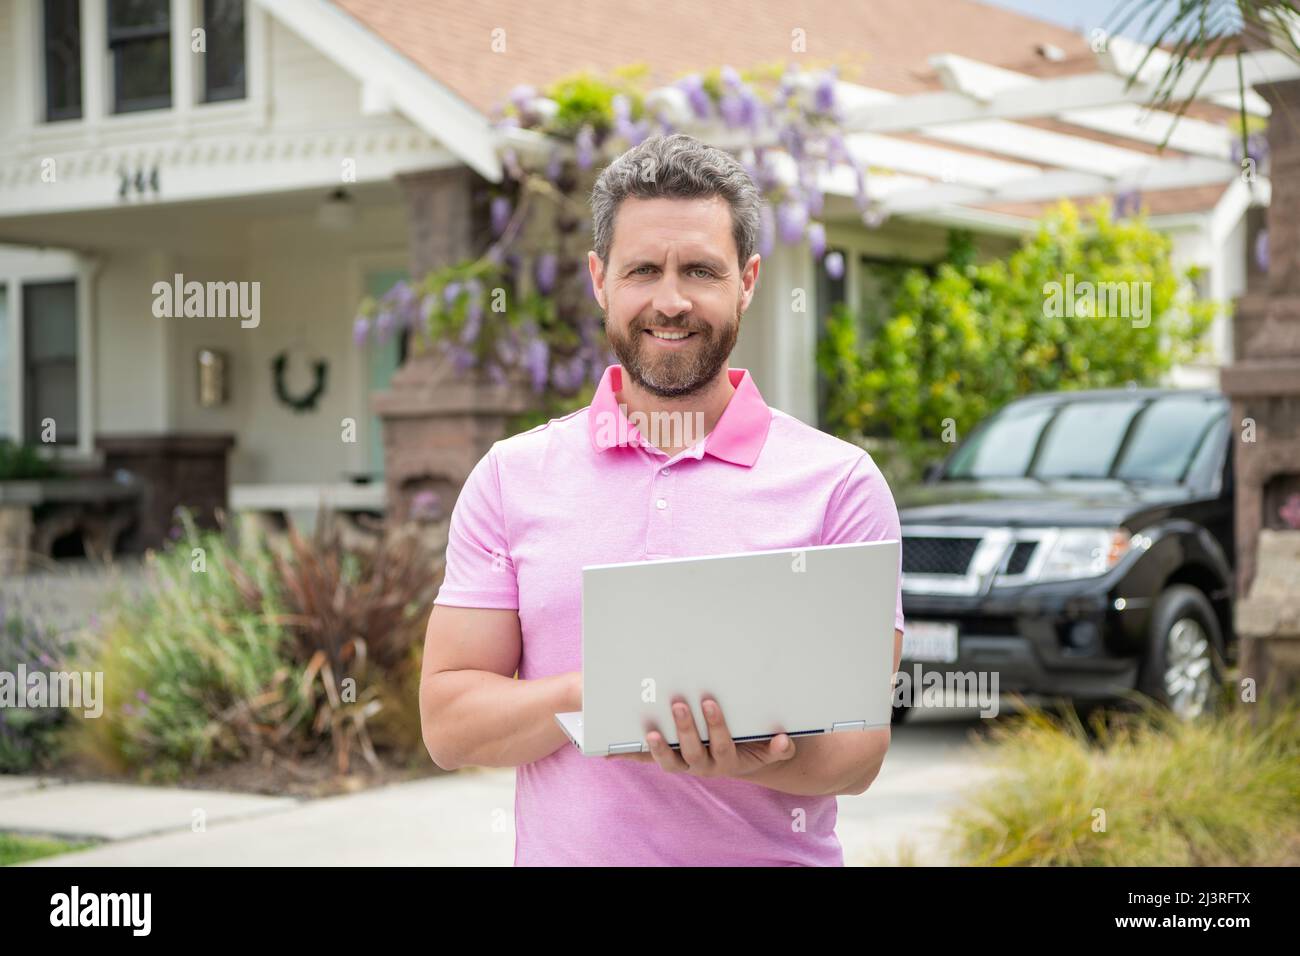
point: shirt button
(661, 504)
(664, 471)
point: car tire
(1183, 666)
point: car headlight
(1083, 553)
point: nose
(668, 299)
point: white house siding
(284, 144)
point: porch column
(1264, 386)
(438, 422)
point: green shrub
(192, 674)
(964, 338)
(293, 645)
(23, 463)
(29, 735)
(1220, 791)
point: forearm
(478, 718)
(828, 764)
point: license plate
(930, 641)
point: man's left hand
(721, 757)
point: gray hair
(676, 166)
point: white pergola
(983, 107)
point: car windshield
(1130, 439)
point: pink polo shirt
(586, 489)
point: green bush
(192, 674)
(294, 646)
(23, 463)
(1220, 791)
(29, 735)
(964, 338)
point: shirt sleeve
(479, 571)
(862, 509)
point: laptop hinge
(849, 725)
(633, 748)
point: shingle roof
(887, 41)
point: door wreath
(307, 400)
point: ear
(597, 270)
(749, 280)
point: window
(223, 63)
(50, 360)
(61, 28)
(139, 44)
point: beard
(673, 373)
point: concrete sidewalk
(461, 819)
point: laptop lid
(795, 641)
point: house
(196, 194)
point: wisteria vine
(785, 125)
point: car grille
(934, 555)
(1020, 555)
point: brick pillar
(1264, 386)
(439, 422)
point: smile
(675, 336)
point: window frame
(115, 39)
(47, 112)
(40, 268)
(205, 95)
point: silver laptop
(793, 641)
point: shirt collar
(738, 436)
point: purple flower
(1261, 250)
(1127, 202)
(537, 362)
(792, 138)
(834, 263)
(837, 151)
(522, 97)
(813, 199)
(824, 93)
(426, 506)
(496, 373)
(731, 77)
(462, 359)
(142, 695)
(585, 144)
(622, 107)
(696, 95)
(554, 166)
(501, 209)
(128, 710)
(733, 110)
(544, 272)
(384, 323)
(817, 239)
(469, 332)
(791, 217)
(360, 330)
(450, 292)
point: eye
(707, 273)
(639, 268)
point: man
(675, 225)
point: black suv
(1078, 544)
